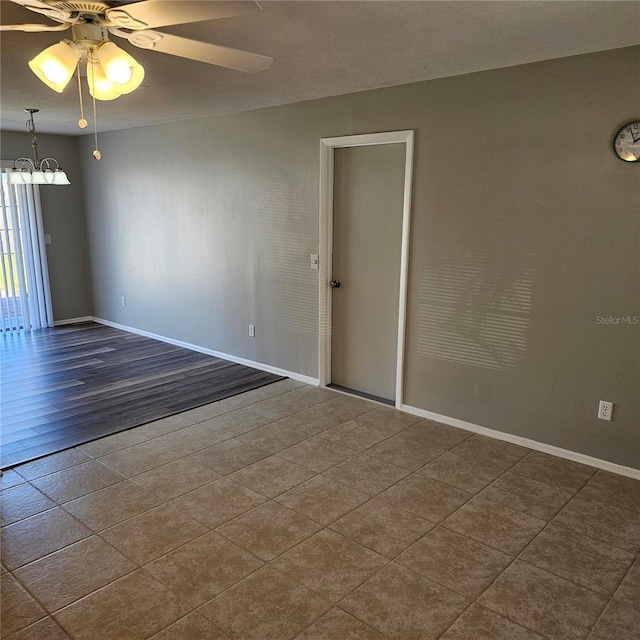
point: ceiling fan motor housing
(87, 34)
(79, 7)
(93, 12)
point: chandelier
(36, 170)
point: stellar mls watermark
(620, 320)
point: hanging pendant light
(36, 171)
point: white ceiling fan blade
(34, 28)
(45, 9)
(34, 5)
(162, 13)
(202, 51)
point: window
(25, 298)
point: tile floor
(294, 512)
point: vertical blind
(25, 295)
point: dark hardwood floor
(68, 385)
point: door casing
(327, 146)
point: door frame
(327, 147)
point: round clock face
(627, 142)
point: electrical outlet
(605, 410)
(313, 261)
(47, 238)
(252, 330)
(123, 301)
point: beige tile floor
(293, 512)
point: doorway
(365, 203)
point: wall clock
(626, 144)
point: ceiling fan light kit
(111, 72)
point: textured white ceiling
(320, 48)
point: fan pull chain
(96, 152)
(82, 123)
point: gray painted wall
(63, 216)
(525, 231)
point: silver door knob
(335, 284)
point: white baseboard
(525, 442)
(210, 352)
(422, 413)
(59, 323)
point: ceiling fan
(111, 71)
